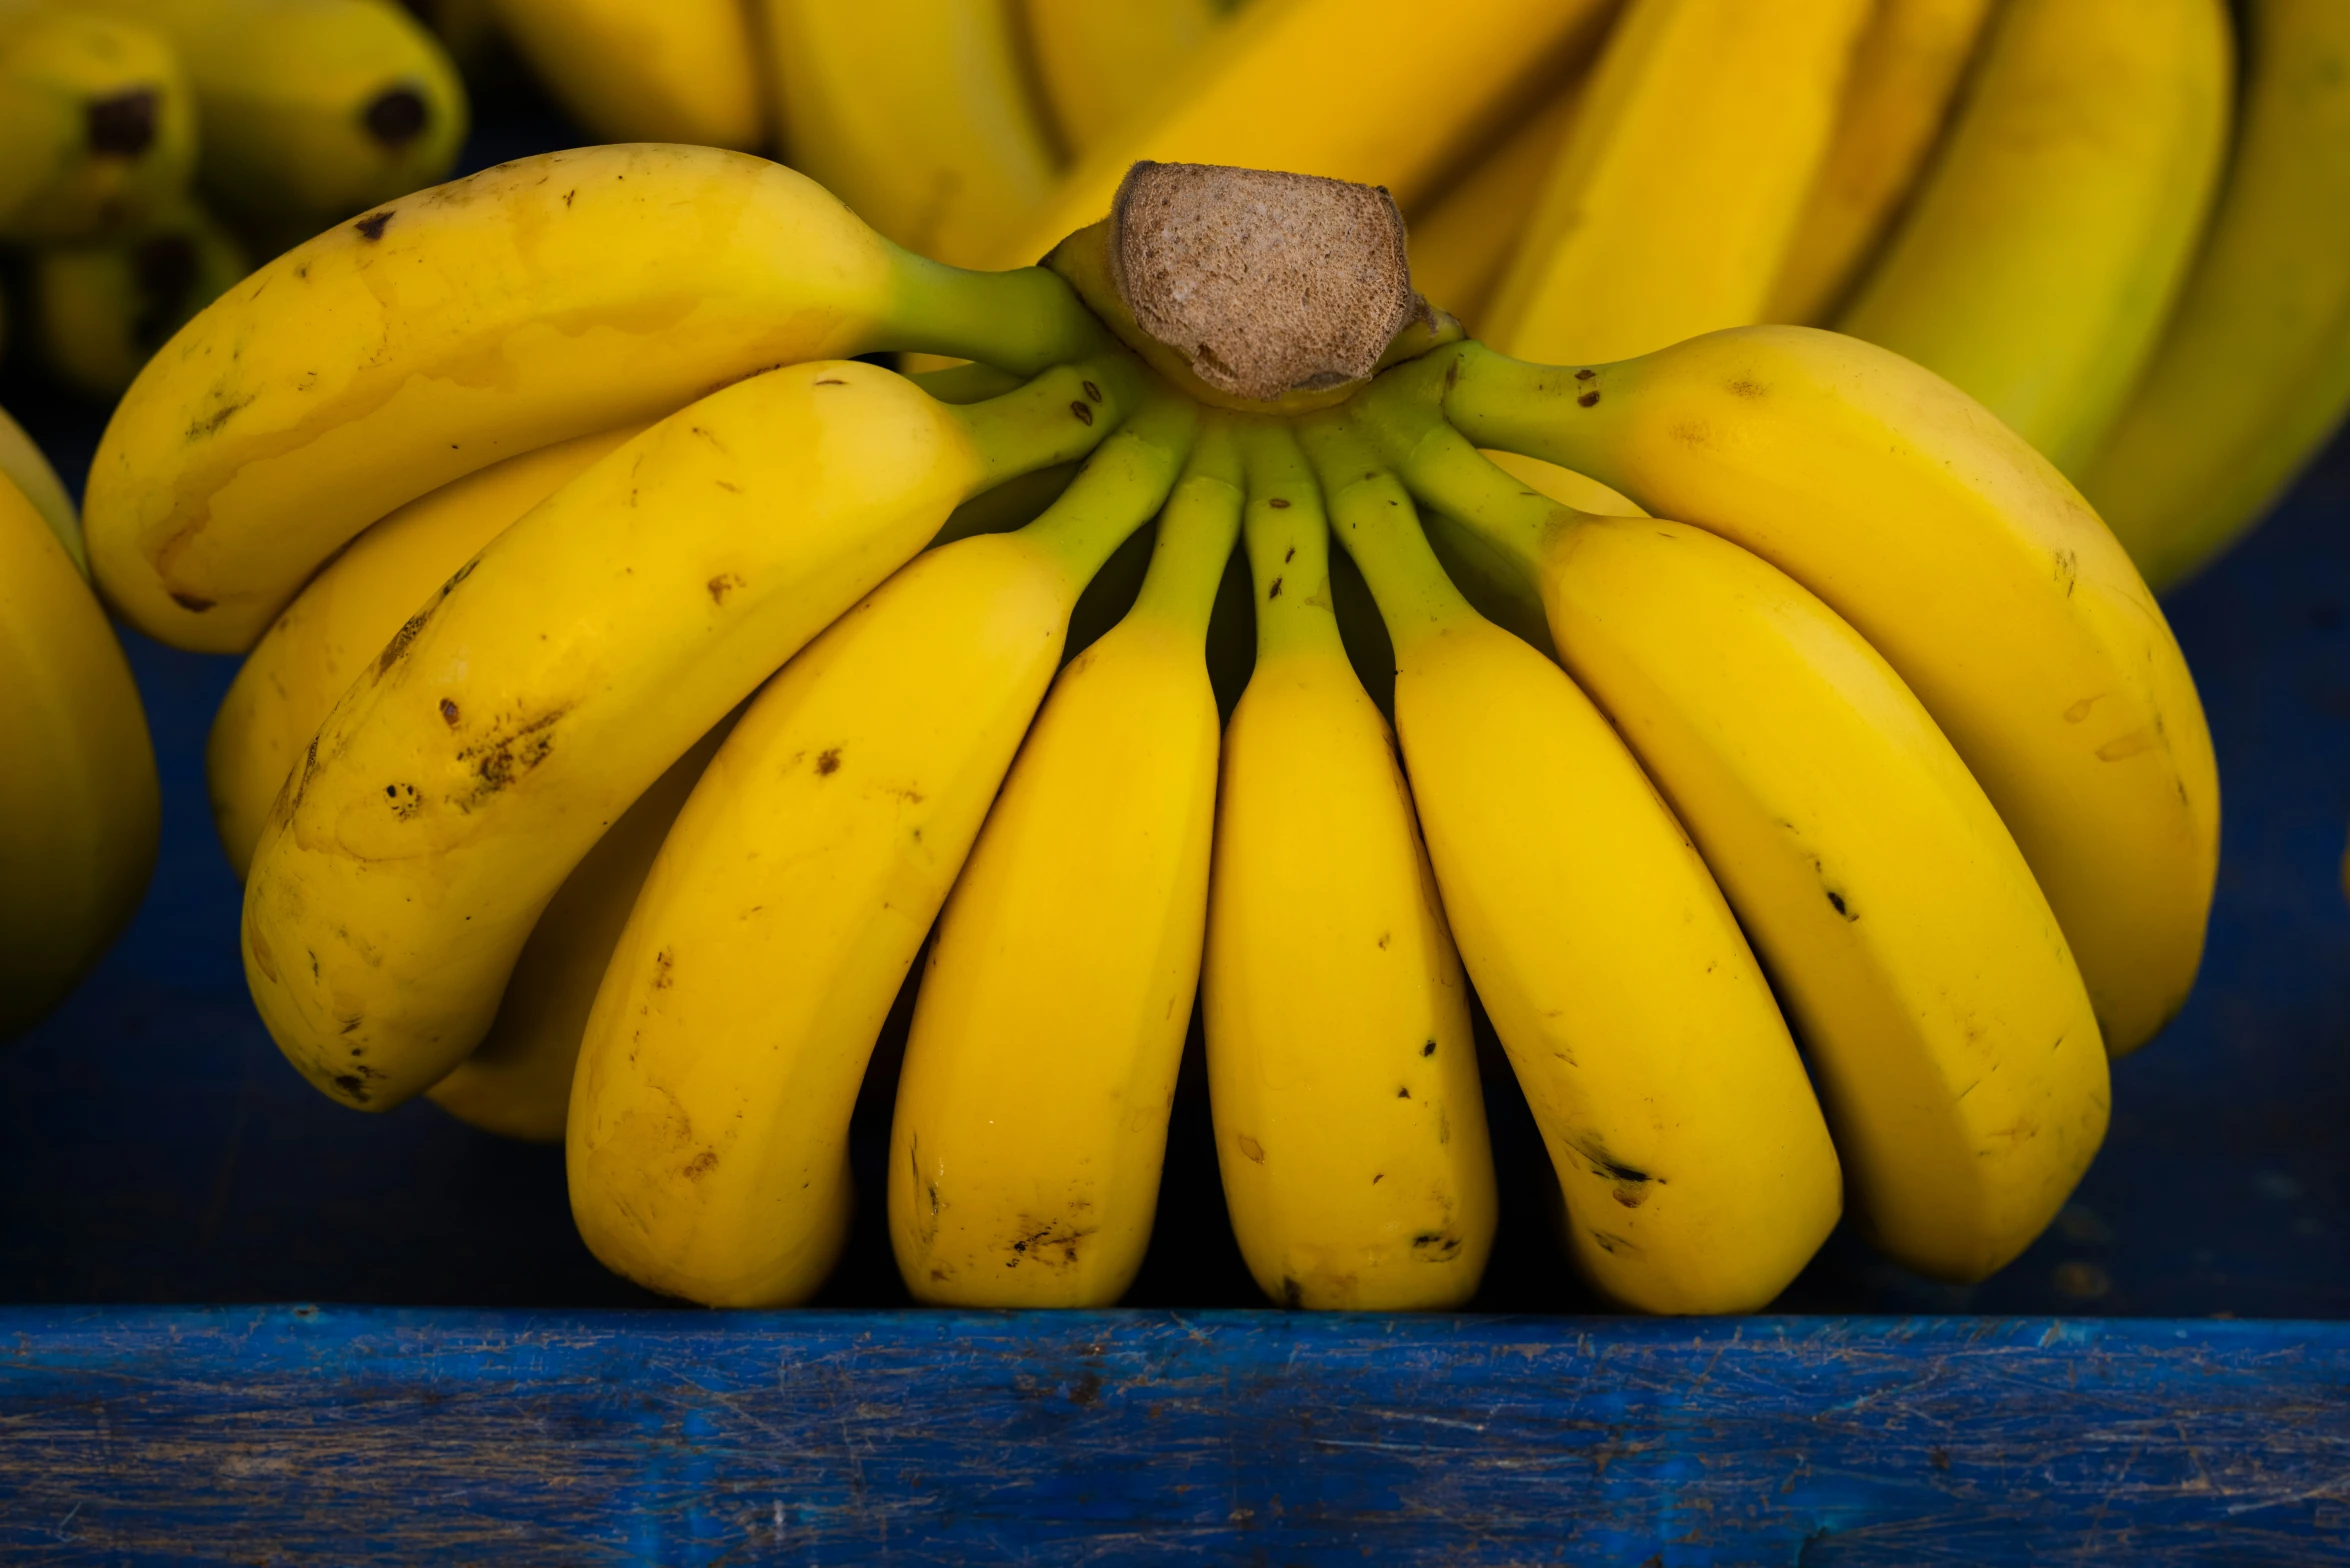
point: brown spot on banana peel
(1250, 1147)
(209, 424)
(1053, 1243)
(505, 755)
(397, 648)
(2133, 744)
(371, 227)
(1605, 1164)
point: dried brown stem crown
(1266, 283)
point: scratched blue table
(240, 1324)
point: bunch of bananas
(608, 745)
(79, 808)
(286, 115)
(2052, 203)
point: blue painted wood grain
(376, 1436)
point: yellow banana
(1101, 65)
(915, 113)
(1916, 956)
(556, 675)
(1670, 206)
(1953, 547)
(1905, 71)
(101, 308)
(313, 110)
(1350, 1128)
(2042, 254)
(686, 71)
(1032, 1108)
(2253, 372)
(1463, 240)
(709, 1123)
(517, 1082)
(1389, 100)
(22, 464)
(1697, 1170)
(79, 809)
(97, 123)
(540, 300)
(343, 617)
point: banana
(517, 1082)
(556, 675)
(537, 301)
(101, 308)
(1905, 71)
(79, 807)
(2253, 372)
(932, 142)
(344, 616)
(1032, 1109)
(1696, 1167)
(1957, 551)
(1350, 1128)
(1917, 958)
(1390, 100)
(709, 1122)
(23, 465)
(1668, 210)
(97, 123)
(1463, 240)
(1100, 65)
(2042, 254)
(313, 110)
(682, 73)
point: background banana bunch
(79, 811)
(2115, 223)
(608, 747)
(148, 148)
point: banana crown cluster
(610, 749)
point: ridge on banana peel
(768, 527)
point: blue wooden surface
(154, 1149)
(361, 1437)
